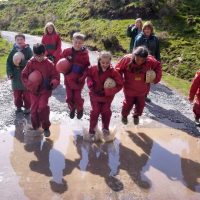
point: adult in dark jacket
(133, 30)
(148, 39)
(21, 95)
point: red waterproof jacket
(134, 76)
(195, 88)
(95, 82)
(80, 62)
(50, 77)
(52, 44)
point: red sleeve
(55, 76)
(119, 84)
(43, 42)
(158, 69)
(87, 61)
(195, 86)
(88, 75)
(25, 73)
(122, 64)
(118, 79)
(58, 50)
(66, 52)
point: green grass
(178, 31)
(180, 85)
(4, 50)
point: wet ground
(141, 163)
(157, 160)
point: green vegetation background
(176, 24)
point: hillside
(105, 22)
(4, 49)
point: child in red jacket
(78, 56)
(52, 42)
(134, 68)
(40, 95)
(194, 95)
(100, 97)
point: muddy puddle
(141, 163)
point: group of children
(129, 74)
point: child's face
(104, 63)
(39, 58)
(77, 44)
(147, 31)
(139, 60)
(20, 41)
(50, 29)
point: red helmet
(35, 77)
(63, 66)
(17, 58)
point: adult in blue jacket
(148, 39)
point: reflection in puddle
(113, 157)
(140, 164)
(110, 150)
(85, 147)
(170, 166)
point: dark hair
(20, 35)
(141, 51)
(38, 49)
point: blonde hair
(139, 20)
(47, 25)
(104, 54)
(148, 24)
(79, 36)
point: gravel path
(167, 106)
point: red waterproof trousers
(22, 98)
(40, 110)
(74, 99)
(129, 101)
(196, 110)
(98, 108)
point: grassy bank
(4, 50)
(180, 85)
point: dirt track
(151, 160)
